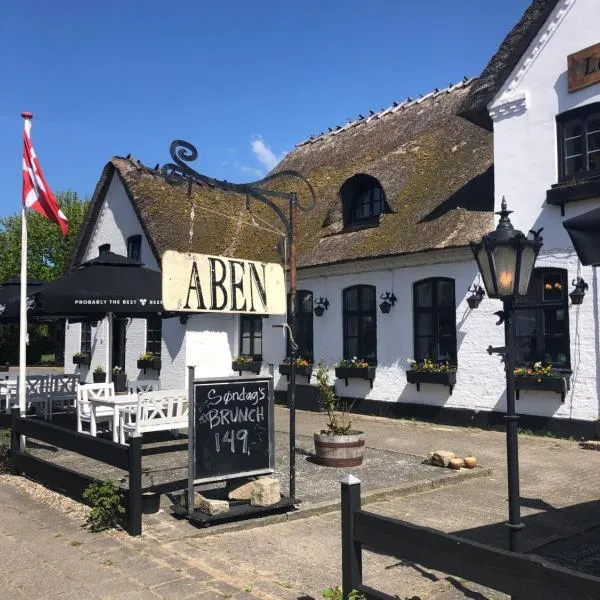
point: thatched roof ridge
(504, 61)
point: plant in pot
(149, 360)
(246, 362)
(338, 445)
(99, 375)
(304, 367)
(119, 378)
(541, 378)
(81, 358)
(428, 371)
(356, 368)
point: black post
(512, 439)
(351, 551)
(134, 504)
(15, 439)
(294, 312)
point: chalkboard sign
(231, 427)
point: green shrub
(107, 507)
(335, 593)
(4, 449)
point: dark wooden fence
(523, 576)
(73, 483)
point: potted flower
(304, 367)
(119, 378)
(355, 368)
(338, 445)
(99, 375)
(540, 377)
(81, 358)
(428, 371)
(246, 362)
(149, 360)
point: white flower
(537, 365)
(411, 361)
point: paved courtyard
(296, 558)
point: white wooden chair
(165, 410)
(63, 390)
(87, 392)
(37, 393)
(143, 385)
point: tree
(48, 257)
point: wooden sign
(584, 68)
(231, 428)
(219, 284)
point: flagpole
(23, 306)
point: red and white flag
(36, 192)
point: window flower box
(246, 363)
(82, 359)
(303, 370)
(353, 369)
(149, 363)
(440, 378)
(557, 384)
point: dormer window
(363, 200)
(134, 247)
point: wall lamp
(321, 305)
(579, 292)
(474, 300)
(389, 299)
(183, 319)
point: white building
(400, 194)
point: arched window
(542, 320)
(304, 324)
(363, 199)
(360, 323)
(434, 316)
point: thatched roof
(504, 61)
(435, 169)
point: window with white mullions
(154, 335)
(360, 323)
(579, 142)
(251, 336)
(86, 337)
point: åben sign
(219, 284)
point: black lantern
(579, 292)
(505, 258)
(321, 306)
(389, 299)
(474, 300)
(183, 319)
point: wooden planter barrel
(339, 450)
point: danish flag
(36, 192)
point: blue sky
(243, 80)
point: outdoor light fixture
(94, 323)
(321, 306)
(183, 319)
(474, 300)
(579, 292)
(505, 258)
(389, 299)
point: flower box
(436, 377)
(120, 381)
(560, 385)
(286, 369)
(346, 373)
(150, 363)
(82, 360)
(252, 366)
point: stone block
(241, 492)
(442, 458)
(265, 492)
(211, 507)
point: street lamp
(505, 258)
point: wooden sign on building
(584, 68)
(219, 284)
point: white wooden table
(116, 403)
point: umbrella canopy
(10, 296)
(109, 283)
(584, 231)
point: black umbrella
(10, 297)
(584, 231)
(109, 283)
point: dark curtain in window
(154, 335)
(542, 320)
(304, 324)
(435, 320)
(251, 336)
(360, 323)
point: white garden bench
(165, 410)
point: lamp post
(505, 258)
(182, 153)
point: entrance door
(119, 342)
